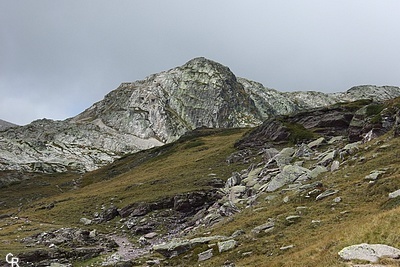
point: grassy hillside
(47, 201)
(364, 214)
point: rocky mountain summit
(155, 111)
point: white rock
(317, 143)
(85, 221)
(335, 165)
(226, 245)
(371, 253)
(394, 194)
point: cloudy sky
(59, 57)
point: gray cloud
(58, 57)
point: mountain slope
(155, 111)
(4, 125)
(276, 202)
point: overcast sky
(59, 57)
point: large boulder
(289, 174)
(369, 252)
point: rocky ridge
(158, 110)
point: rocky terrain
(195, 167)
(155, 111)
(313, 188)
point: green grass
(142, 177)
(298, 133)
(364, 215)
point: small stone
(150, 235)
(226, 245)
(93, 233)
(316, 143)
(335, 165)
(143, 241)
(287, 247)
(374, 175)
(244, 254)
(293, 218)
(205, 255)
(326, 193)
(337, 199)
(238, 233)
(269, 225)
(85, 221)
(394, 194)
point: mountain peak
(157, 110)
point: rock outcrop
(158, 110)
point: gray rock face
(154, 111)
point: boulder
(289, 174)
(284, 157)
(335, 165)
(293, 218)
(234, 180)
(317, 143)
(226, 245)
(205, 255)
(369, 252)
(264, 227)
(374, 175)
(85, 221)
(394, 194)
(108, 214)
(328, 158)
(303, 151)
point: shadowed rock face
(154, 111)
